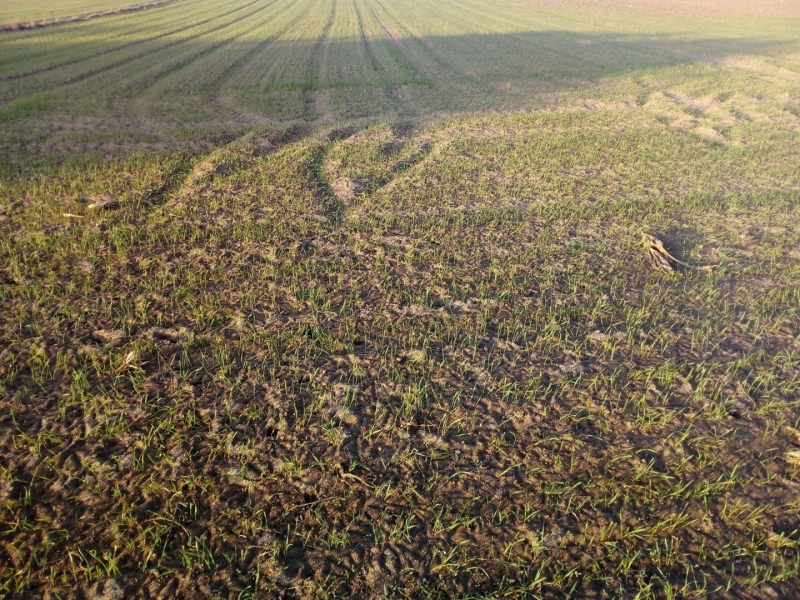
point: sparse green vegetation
(47, 11)
(330, 298)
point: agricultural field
(25, 13)
(348, 298)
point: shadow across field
(170, 91)
(551, 59)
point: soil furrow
(242, 61)
(412, 71)
(76, 61)
(82, 18)
(314, 64)
(373, 60)
(172, 68)
(431, 51)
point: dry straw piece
(793, 457)
(662, 260)
(103, 202)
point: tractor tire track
(244, 114)
(76, 61)
(434, 56)
(373, 59)
(379, 69)
(412, 73)
(168, 70)
(142, 29)
(395, 39)
(291, 46)
(127, 60)
(240, 63)
(314, 63)
(330, 205)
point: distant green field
(24, 11)
(347, 298)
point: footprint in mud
(110, 589)
(384, 566)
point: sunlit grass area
(48, 11)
